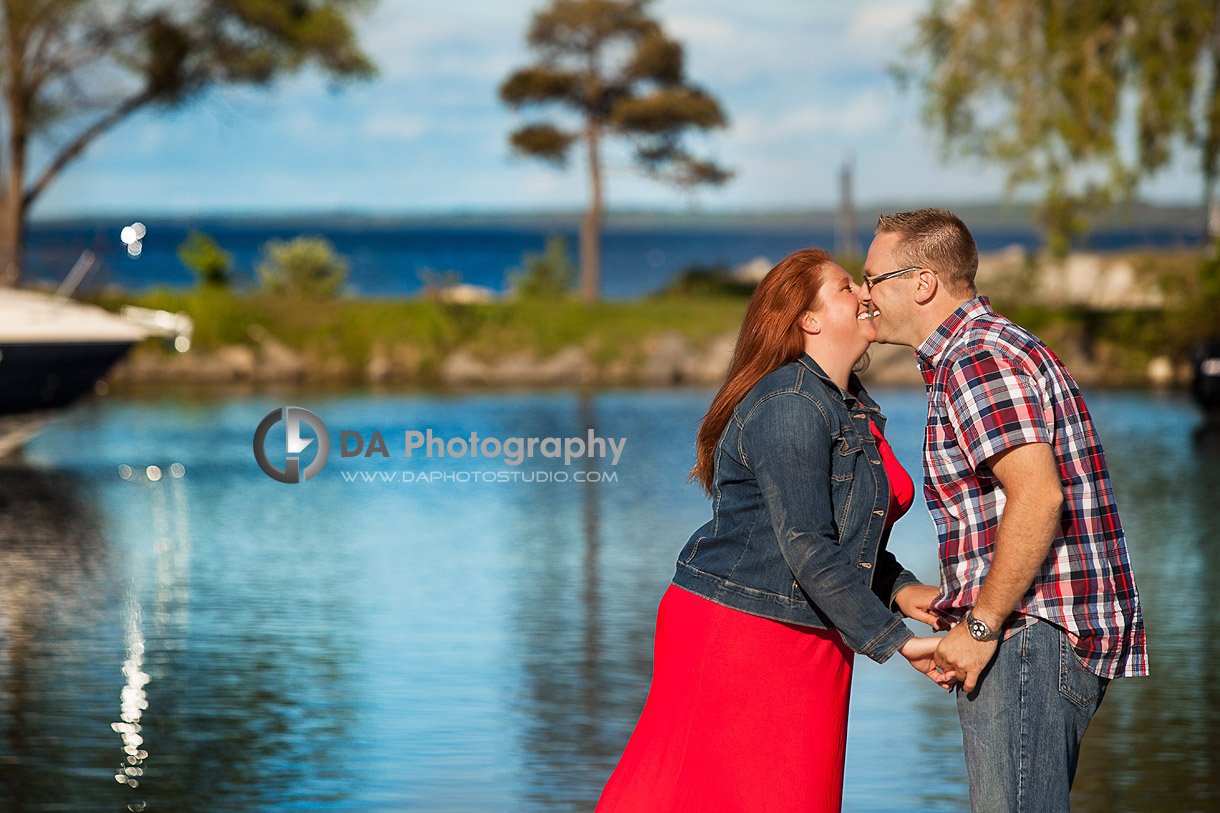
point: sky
(805, 86)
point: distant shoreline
(976, 215)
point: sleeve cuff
(905, 579)
(881, 648)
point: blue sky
(803, 83)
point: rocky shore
(664, 359)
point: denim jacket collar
(856, 396)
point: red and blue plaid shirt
(992, 386)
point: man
(1034, 572)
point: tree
(305, 266)
(70, 70)
(617, 74)
(1083, 99)
(212, 265)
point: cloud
(395, 126)
(883, 27)
(863, 113)
(408, 42)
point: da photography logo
(294, 444)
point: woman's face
(843, 321)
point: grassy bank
(410, 340)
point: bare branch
(82, 140)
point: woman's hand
(914, 601)
(919, 652)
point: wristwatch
(979, 630)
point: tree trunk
(12, 239)
(591, 223)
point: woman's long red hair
(770, 338)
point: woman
(753, 654)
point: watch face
(978, 629)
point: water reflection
(1155, 744)
(452, 647)
(54, 575)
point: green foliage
(305, 266)
(1053, 90)
(211, 265)
(708, 281)
(636, 89)
(1209, 279)
(549, 275)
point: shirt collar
(930, 351)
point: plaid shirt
(993, 386)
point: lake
(459, 634)
(392, 258)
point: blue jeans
(1023, 723)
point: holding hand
(914, 601)
(920, 653)
(959, 652)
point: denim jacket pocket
(847, 441)
(1076, 682)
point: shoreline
(1122, 319)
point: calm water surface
(221, 641)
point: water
(449, 646)
(388, 259)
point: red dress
(744, 713)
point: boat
(1205, 383)
(54, 350)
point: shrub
(212, 265)
(549, 275)
(305, 266)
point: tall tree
(72, 69)
(1081, 99)
(612, 67)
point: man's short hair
(936, 239)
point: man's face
(891, 300)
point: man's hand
(914, 601)
(961, 654)
(919, 652)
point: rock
(514, 369)
(238, 358)
(276, 361)
(665, 356)
(753, 271)
(709, 366)
(1160, 371)
(463, 368)
(571, 365)
(379, 368)
(466, 294)
(1097, 282)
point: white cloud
(861, 114)
(882, 26)
(395, 126)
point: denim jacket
(799, 500)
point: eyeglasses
(869, 282)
